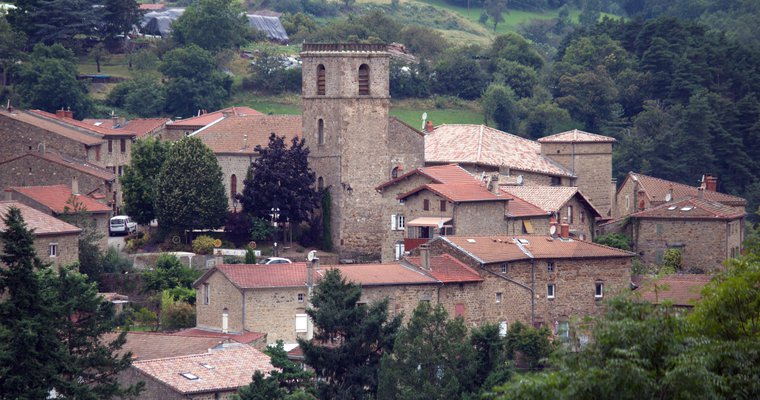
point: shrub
(176, 314)
(260, 229)
(250, 256)
(616, 240)
(203, 244)
(114, 261)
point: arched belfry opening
(364, 80)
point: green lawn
(116, 65)
(413, 116)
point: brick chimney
(429, 126)
(425, 257)
(564, 230)
(68, 113)
(60, 113)
(494, 184)
(711, 183)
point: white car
(275, 260)
(121, 224)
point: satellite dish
(553, 229)
(311, 256)
(440, 224)
(520, 179)
(668, 197)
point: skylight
(687, 208)
(190, 376)
(470, 240)
(207, 366)
(523, 241)
(671, 208)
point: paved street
(116, 241)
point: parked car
(121, 224)
(275, 260)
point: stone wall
(530, 178)
(237, 165)
(273, 311)
(153, 389)
(540, 225)
(223, 294)
(394, 207)
(480, 218)
(18, 137)
(581, 224)
(626, 199)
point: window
(627, 202)
(53, 250)
(658, 229)
(556, 181)
(302, 322)
(569, 214)
(399, 250)
(498, 297)
(426, 205)
(397, 222)
(563, 330)
(550, 291)
(364, 80)
(504, 268)
(300, 297)
(503, 328)
(394, 173)
(599, 292)
(110, 146)
(583, 216)
(459, 310)
(443, 205)
(121, 170)
(321, 80)
(97, 153)
(190, 376)
(550, 266)
(123, 145)
(320, 183)
(206, 293)
(320, 131)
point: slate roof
(479, 144)
(682, 290)
(490, 249)
(54, 127)
(448, 269)
(548, 198)
(105, 129)
(41, 223)
(576, 136)
(224, 370)
(68, 162)
(55, 198)
(690, 208)
(207, 118)
(241, 135)
(656, 189)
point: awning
(429, 221)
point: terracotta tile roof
(458, 192)
(576, 136)
(245, 337)
(105, 130)
(548, 198)
(448, 269)
(154, 345)
(681, 290)
(41, 223)
(518, 208)
(691, 208)
(479, 144)
(152, 7)
(53, 127)
(220, 370)
(656, 189)
(55, 198)
(69, 162)
(241, 135)
(490, 249)
(450, 173)
(143, 126)
(205, 119)
(380, 274)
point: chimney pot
(564, 229)
(60, 113)
(711, 183)
(429, 126)
(425, 256)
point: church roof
(576, 136)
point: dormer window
(364, 80)
(321, 80)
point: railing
(344, 47)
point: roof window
(206, 365)
(190, 376)
(470, 240)
(671, 208)
(523, 241)
(687, 208)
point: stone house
(48, 168)
(565, 204)
(177, 129)
(641, 192)
(354, 144)
(540, 280)
(217, 373)
(141, 127)
(55, 241)
(233, 139)
(706, 232)
(273, 298)
(59, 200)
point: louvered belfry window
(364, 80)
(321, 80)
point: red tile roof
(245, 337)
(459, 193)
(143, 126)
(241, 135)
(681, 290)
(448, 269)
(656, 189)
(152, 7)
(519, 208)
(576, 136)
(549, 198)
(207, 118)
(691, 208)
(56, 197)
(479, 144)
(451, 173)
(380, 274)
(54, 127)
(41, 223)
(154, 345)
(105, 130)
(219, 370)
(68, 162)
(490, 249)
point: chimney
(425, 257)
(74, 186)
(41, 147)
(245, 141)
(701, 192)
(68, 113)
(310, 267)
(8, 195)
(429, 126)
(711, 183)
(60, 113)
(494, 185)
(670, 193)
(225, 114)
(564, 230)
(114, 120)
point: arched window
(320, 183)
(394, 173)
(321, 131)
(233, 186)
(364, 80)
(321, 80)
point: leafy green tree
(261, 388)
(194, 81)
(519, 77)
(589, 97)
(457, 74)
(49, 81)
(592, 10)
(144, 96)
(616, 240)
(513, 47)
(11, 48)
(53, 21)
(100, 54)
(175, 313)
(140, 179)
(250, 256)
(90, 257)
(532, 343)
(498, 104)
(280, 178)
(269, 75)
(349, 341)
(432, 358)
(289, 381)
(118, 18)
(169, 273)
(189, 190)
(212, 25)
(495, 9)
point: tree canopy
(140, 177)
(212, 25)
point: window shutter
(393, 222)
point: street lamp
(275, 214)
